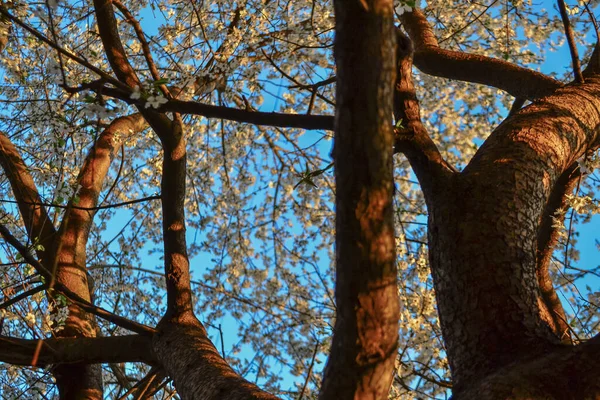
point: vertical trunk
(366, 331)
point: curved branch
(411, 137)
(69, 268)
(109, 33)
(548, 235)
(433, 60)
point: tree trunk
(483, 230)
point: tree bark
(483, 236)
(365, 336)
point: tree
(109, 118)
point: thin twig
(309, 372)
(571, 41)
(22, 296)
(72, 56)
(74, 297)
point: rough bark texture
(365, 336)
(491, 235)
(483, 234)
(197, 369)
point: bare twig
(571, 41)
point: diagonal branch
(78, 217)
(74, 297)
(145, 47)
(411, 137)
(433, 60)
(35, 217)
(593, 66)
(70, 266)
(4, 12)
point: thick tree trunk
(365, 337)
(483, 232)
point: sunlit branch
(433, 60)
(145, 47)
(81, 209)
(37, 223)
(109, 33)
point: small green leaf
(162, 81)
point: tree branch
(103, 207)
(74, 297)
(411, 137)
(433, 60)
(548, 235)
(593, 66)
(145, 47)
(197, 369)
(571, 41)
(37, 223)
(281, 120)
(41, 353)
(77, 59)
(364, 344)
